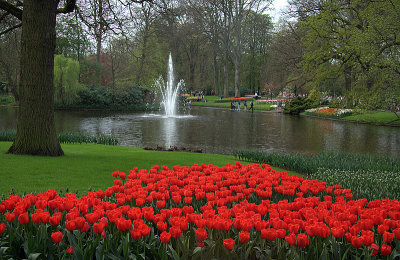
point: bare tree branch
(6, 6)
(11, 28)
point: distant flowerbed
(234, 99)
(203, 211)
(329, 112)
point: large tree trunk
(36, 131)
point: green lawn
(211, 103)
(86, 166)
(374, 117)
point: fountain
(169, 90)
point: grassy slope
(374, 117)
(86, 166)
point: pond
(223, 131)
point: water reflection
(223, 131)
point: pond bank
(362, 119)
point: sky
(277, 6)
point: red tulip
(385, 250)
(357, 242)
(70, 225)
(396, 232)
(23, 218)
(162, 226)
(165, 237)
(70, 250)
(2, 228)
(98, 228)
(201, 234)
(175, 232)
(136, 234)
(291, 239)
(56, 237)
(244, 236)
(229, 243)
(388, 237)
(188, 200)
(375, 249)
(269, 234)
(10, 217)
(145, 230)
(302, 240)
(160, 204)
(337, 232)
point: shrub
(297, 105)
(100, 97)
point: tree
(352, 43)
(36, 132)
(97, 15)
(9, 55)
(66, 79)
(286, 53)
(70, 39)
(257, 38)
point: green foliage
(369, 184)
(71, 40)
(297, 105)
(355, 171)
(6, 100)
(315, 98)
(90, 72)
(68, 138)
(353, 44)
(66, 77)
(100, 97)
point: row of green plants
(68, 137)
(369, 176)
(370, 184)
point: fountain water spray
(169, 90)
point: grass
(87, 166)
(377, 117)
(211, 103)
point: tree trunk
(139, 74)
(237, 79)
(216, 83)
(347, 77)
(36, 131)
(226, 77)
(98, 48)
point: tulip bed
(201, 212)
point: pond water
(223, 131)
